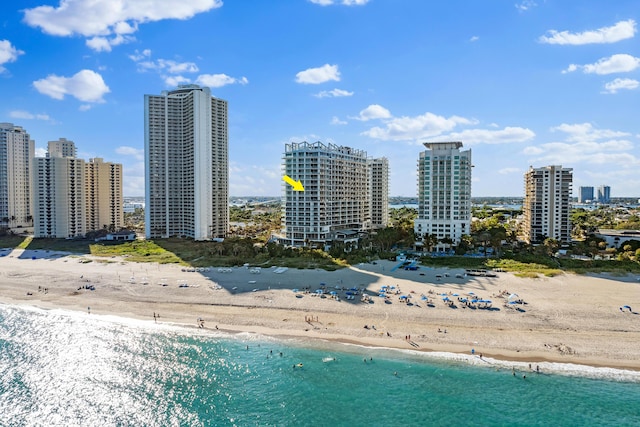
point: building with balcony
(186, 164)
(444, 195)
(379, 192)
(546, 204)
(103, 194)
(61, 148)
(16, 164)
(59, 197)
(342, 191)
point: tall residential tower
(547, 203)
(343, 192)
(16, 161)
(444, 193)
(186, 159)
(103, 193)
(59, 193)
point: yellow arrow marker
(297, 185)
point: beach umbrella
(393, 287)
(318, 291)
(333, 293)
(423, 298)
(455, 295)
(513, 296)
(445, 299)
(295, 290)
(403, 297)
(354, 289)
(322, 284)
(512, 302)
(470, 293)
(382, 295)
(474, 301)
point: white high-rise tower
(16, 162)
(186, 159)
(444, 193)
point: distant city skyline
(522, 83)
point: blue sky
(519, 82)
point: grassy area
(235, 252)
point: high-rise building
(59, 196)
(379, 192)
(444, 193)
(103, 195)
(61, 148)
(340, 187)
(186, 159)
(546, 204)
(585, 195)
(16, 162)
(604, 194)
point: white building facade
(336, 203)
(186, 159)
(59, 197)
(546, 204)
(444, 193)
(16, 163)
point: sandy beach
(566, 319)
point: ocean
(63, 368)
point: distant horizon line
(391, 197)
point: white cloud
(335, 120)
(105, 44)
(344, 2)
(619, 63)
(40, 152)
(507, 171)
(85, 85)
(620, 84)
(136, 153)
(84, 107)
(620, 31)
(25, 115)
(318, 75)
(219, 80)
(139, 56)
(173, 81)
(586, 132)
(372, 112)
(144, 62)
(333, 93)
(525, 5)
(8, 53)
(486, 136)
(427, 125)
(474, 39)
(171, 71)
(110, 22)
(585, 145)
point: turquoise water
(74, 369)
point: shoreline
(568, 319)
(520, 364)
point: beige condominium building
(16, 162)
(186, 159)
(547, 203)
(103, 194)
(343, 191)
(59, 193)
(444, 194)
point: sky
(519, 82)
